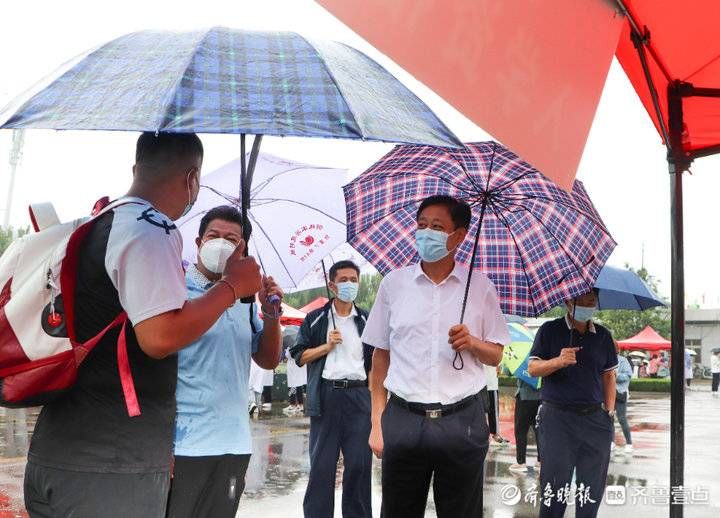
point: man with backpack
(91, 454)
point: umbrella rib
(250, 215)
(513, 181)
(226, 197)
(360, 131)
(271, 200)
(173, 91)
(559, 243)
(510, 201)
(266, 182)
(502, 219)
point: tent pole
(677, 165)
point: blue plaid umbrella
(539, 244)
(232, 81)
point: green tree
(626, 323)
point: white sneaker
(518, 468)
(267, 406)
(253, 409)
(288, 410)
(628, 448)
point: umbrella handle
(327, 289)
(458, 362)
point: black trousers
(492, 408)
(344, 426)
(715, 381)
(525, 413)
(58, 493)
(451, 450)
(207, 487)
(571, 441)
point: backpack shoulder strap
(68, 280)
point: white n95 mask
(214, 254)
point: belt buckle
(340, 384)
(434, 413)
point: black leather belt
(576, 409)
(346, 384)
(436, 410)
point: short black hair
(225, 213)
(460, 211)
(342, 265)
(159, 150)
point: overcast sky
(623, 167)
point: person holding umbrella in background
(338, 400)
(433, 426)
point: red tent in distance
(646, 340)
(313, 305)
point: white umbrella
(297, 213)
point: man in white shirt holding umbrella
(433, 426)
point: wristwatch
(611, 413)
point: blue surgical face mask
(431, 245)
(347, 291)
(584, 314)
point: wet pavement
(277, 474)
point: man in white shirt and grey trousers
(433, 424)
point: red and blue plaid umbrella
(539, 244)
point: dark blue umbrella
(622, 289)
(224, 80)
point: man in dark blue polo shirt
(577, 361)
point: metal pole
(677, 164)
(18, 139)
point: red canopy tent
(315, 304)
(646, 340)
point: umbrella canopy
(678, 41)
(539, 244)
(499, 63)
(515, 354)
(224, 80)
(646, 340)
(293, 226)
(620, 288)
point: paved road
(278, 471)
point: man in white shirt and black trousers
(338, 400)
(433, 425)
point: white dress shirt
(346, 361)
(411, 318)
